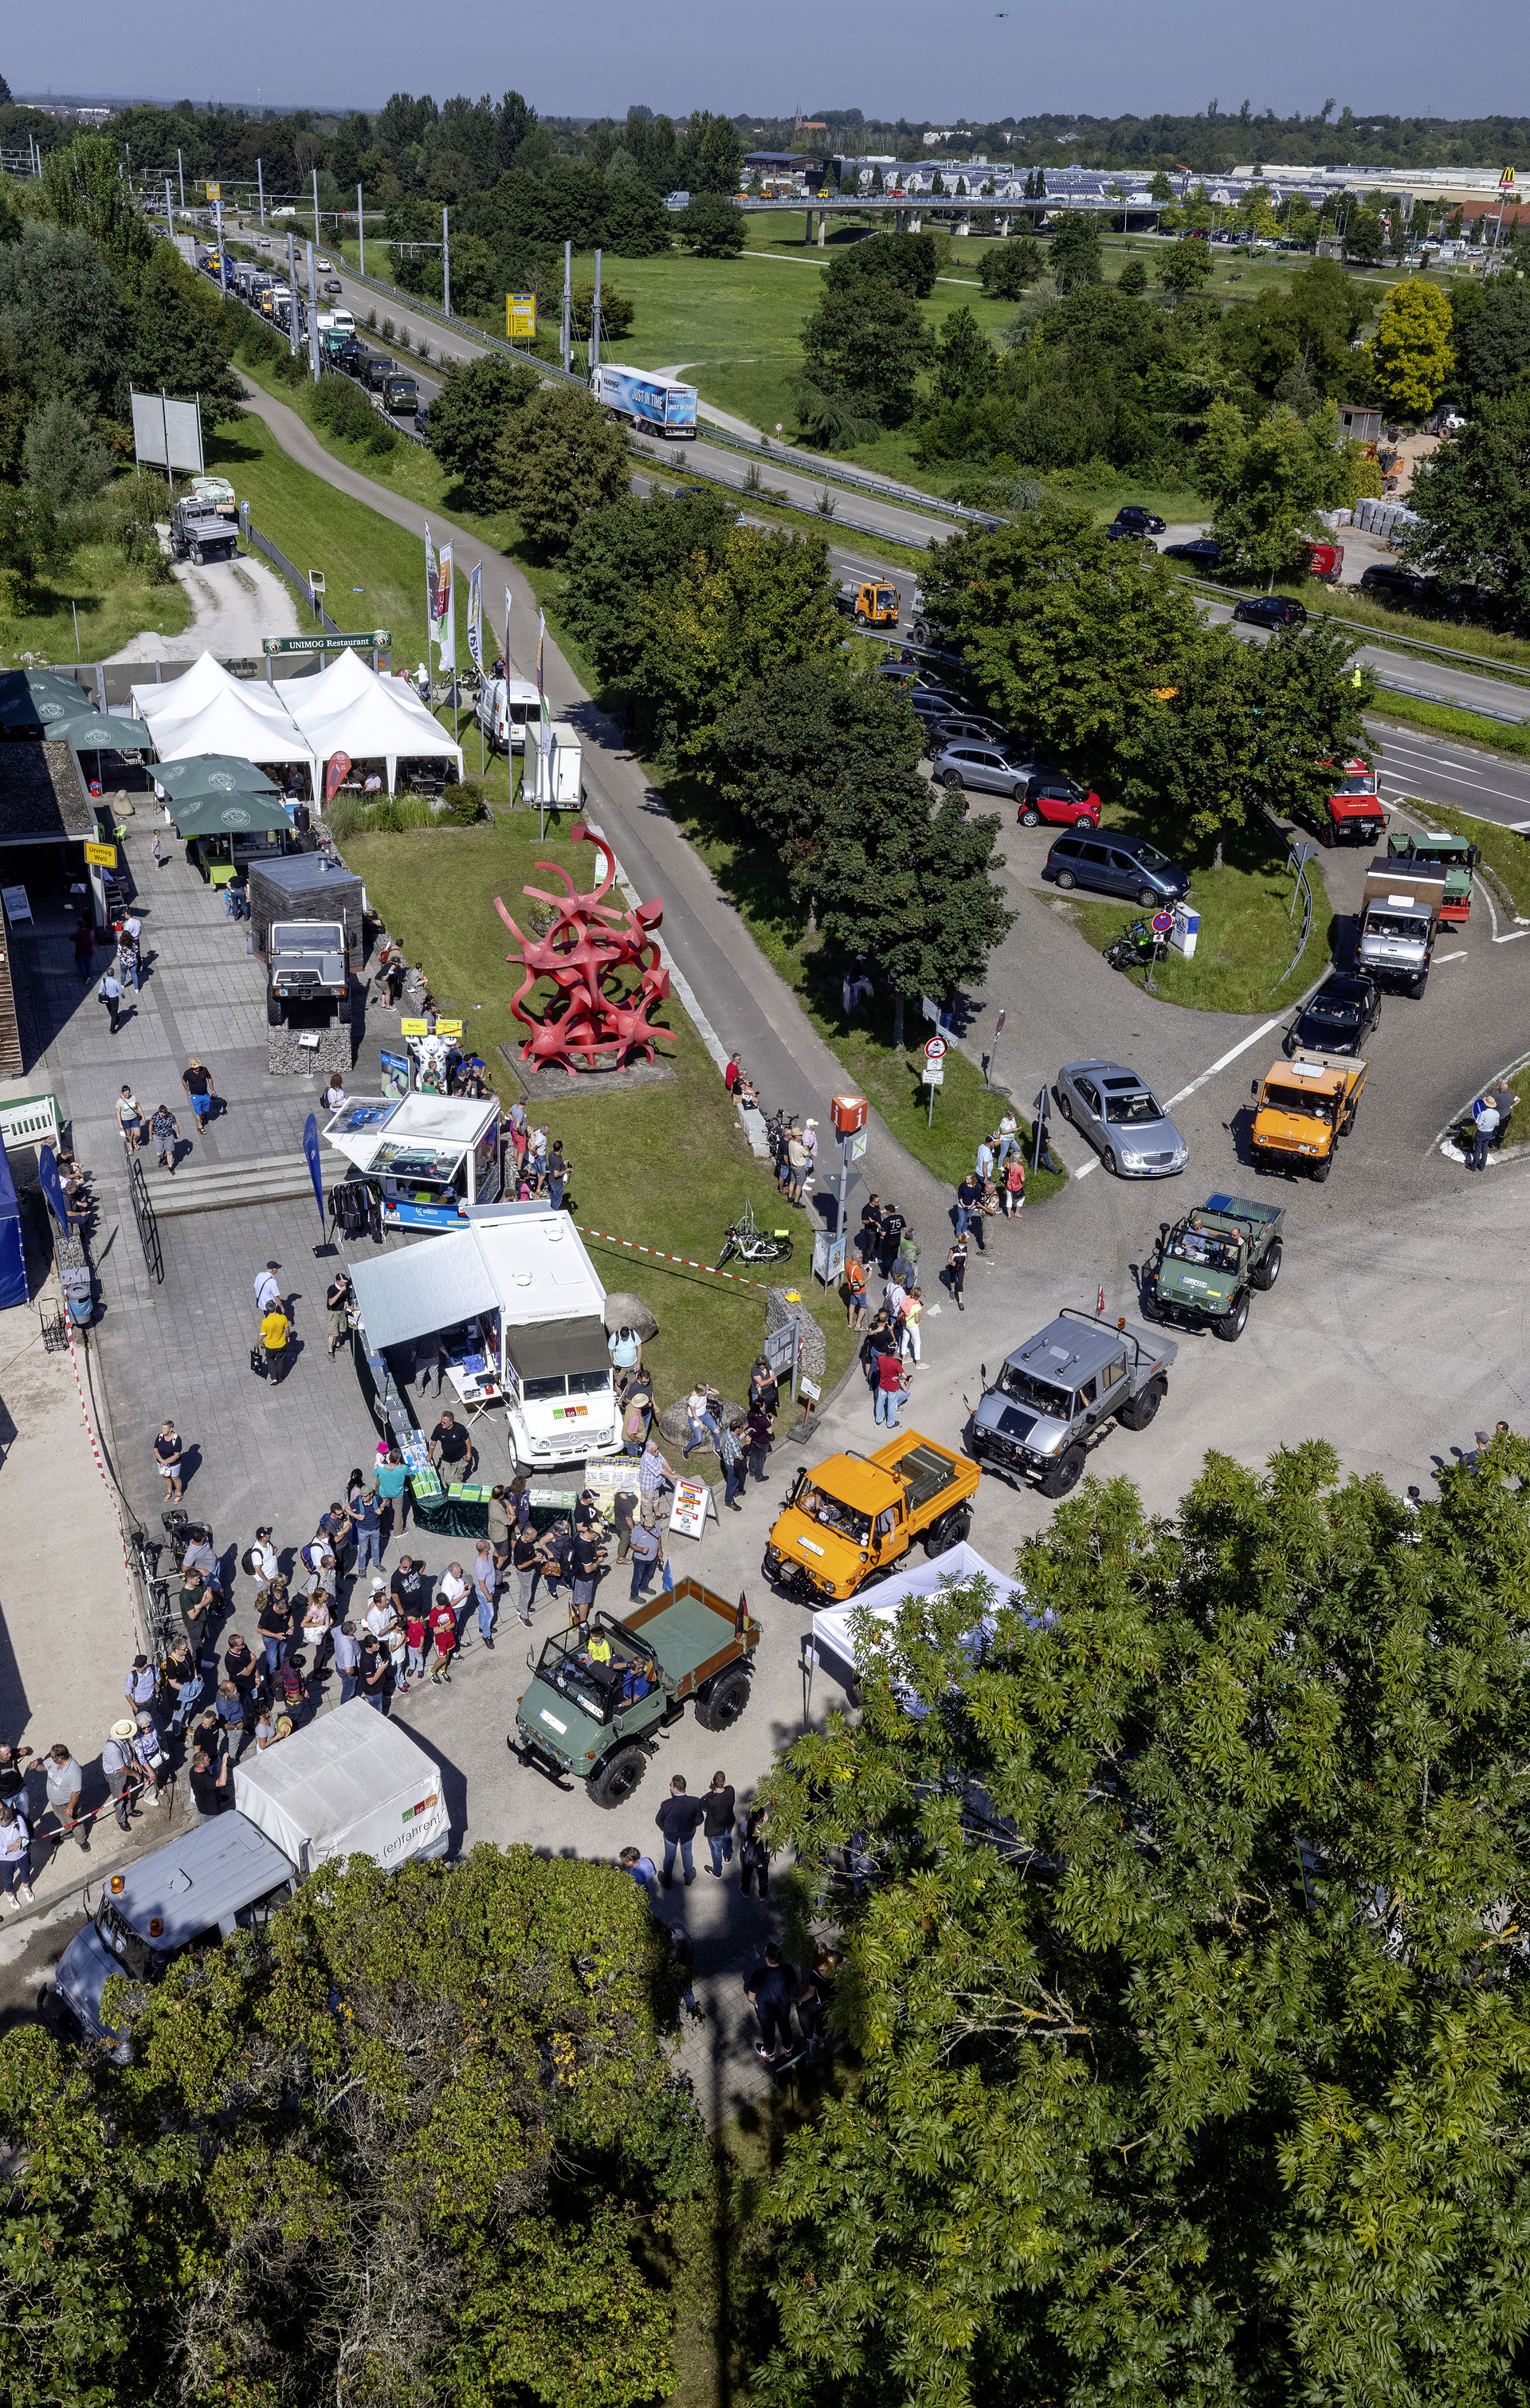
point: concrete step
(219, 1186)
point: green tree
(1011, 269)
(179, 339)
(1493, 344)
(62, 320)
(1181, 1964)
(1365, 237)
(864, 345)
(755, 603)
(1269, 481)
(66, 460)
(1469, 499)
(82, 188)
(475, 278)
(631, 548)
(1065, 635)
(1410, 350)
(712, 155)
(617, 313)
(412, 2142)
(712, 227)
(806, 743)
(1133, 279)
(1162, 191)
(1185, 268)
(468, 416)
(909, 261)
(965, 361)
(558, 458)
(1077, 257)
(910, 888)
(32, 540)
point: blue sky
(896, 58)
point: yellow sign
(215, 192)
(1506, 181)
(414, 1028)
(449, 1029)
(102, 856)
(520, 316)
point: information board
(103, 856)
(692, 1505)
(520, 317)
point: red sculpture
(589, 953)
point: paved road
(1409, 672)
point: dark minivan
(1116, 864)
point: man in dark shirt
(584, 1562)
(759, 1433)
(770, 1991)
(717, 1821)
(970, 1197)
(871, 1240)
(587, 1513)
(274, 1624)
(407, 1587)
(624, 1514)
(373, 1680)
(208, 1788)
(557, 1547)
(526, 1563)
(451, 1448)
(679, 1818)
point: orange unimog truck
(852, 1519)
(1302, 1108)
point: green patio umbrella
(40, 698)
(225, 814)
(91, 733)
(211, 773)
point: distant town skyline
(1100, 57)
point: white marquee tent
(347, 708)
(350, 708)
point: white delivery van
(350, 1784)
(503, 710)
(342, 319)
(555, 777)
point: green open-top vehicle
(1205, 1266)
(604, 1691)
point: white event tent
(347, 708)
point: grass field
(667, 1167)
(1247, 937)
(1463, 726)
(111, 604)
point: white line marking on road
(1520, 827)
(1242, 1048)
(1512, 938)
(1085, 1167)
(1491, 914)
(1449, 958)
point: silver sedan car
(1120, 1115)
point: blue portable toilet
(12, 1251)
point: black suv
(1132, 518)
(1271, 610)
(1398, 585)
(1339, 1018)
(1202, 552)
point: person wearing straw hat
(119, 1763)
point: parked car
(1132, 518)
(1338, 1019)
(1122, 1119)
(918, 679)
(988, 768)
(1128, 865)
(1202, 552)
(1271, 610)
(966, 729)
(1402, 586)
(1056, 799)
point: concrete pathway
(234, 604)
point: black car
(1339, 1018)
(1128, 865)
(1132, 518)
(1271, 610)
(1397, 585)
(1202, 552)
(916, 681)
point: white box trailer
(351, 1783)
(556, 776)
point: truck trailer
(655, 405)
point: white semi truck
(655, 405)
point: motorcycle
(752, 1244)
(1135, 948)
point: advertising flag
(475, 618)
(339, 769)
(310, 1148)
(506, 630)
(432, 584)
(446, 616)
(544, 734)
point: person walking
(913, 1313)
(799, 1163)
(893, 1225)
(153, 1763)
(855, 1292)
(558, 1169)
(526, 1563)
(165, 1131)
(730, 1453)
(485, 1573)
(276, 1336)
(890, 1383)
(771, 1990)
(679, 1818)
(624, 1514)
(646, 1551)
(1014, 1185)
(758, 1429)
(366, 1522)
(167, 1457)
(84, 941)
(348, 1656)
(109, 992)
(198, 1081)
(15, 1858)
(155, 853)
(754, 1851)
(717, 1822)
(956, 1271)
(452, 1451)
(443, 1631)
(65, 1784)
(969, 1204)
(499, 1526)
(652, 1480)
(268, 1291)
(392, 1492)
(337, 1303)
(130, 1121)
(141, 1687)
(119, 1764)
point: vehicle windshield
(886, 598)
(1217, 1248)
(307, 937)
(598, 1686)
(1042, 1396)
(832, 1513)
(1131, 1112)
(1358, 785)
(1150, 856)
(1342, 1011)
(588, 1384)
(554, 1383)
(1284, 1097)
(1395, 923)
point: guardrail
(279, 560)
(1384, 634)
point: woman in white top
(317, 1623)
(913, 1310)
(15, 1858)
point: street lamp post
(361, 231)
(446, 264)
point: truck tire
(950, 1531)
(1231, 1324)
(920, 632)
(196, 556)
(1320, 1169)
(272, 1009)
(720, 1704)
(1138, 1411)
(1063, 1472)
(1269, 1269)
(612, 1782)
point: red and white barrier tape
(105, 1477)
(660, 1257)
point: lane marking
(1512, 938)
(1085, 1168)
(1232, 1057)
(1520, 827)
(1449, 957)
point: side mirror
(982, 1374)
(531, 1661)
(1254, 1089)
(1163, 1228)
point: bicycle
(752, 1244)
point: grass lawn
(1243, 957)
(1463, 725)
(113, 602)
(666, 1166)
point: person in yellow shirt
(276, 1333)
(599, 1650)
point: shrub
(461, 805)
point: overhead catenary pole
(169, 212)
(313, 315)
(292, 291)
(594, 322)
(566, 344)
(316, 207)
(260, 186)
(181, 171)
(361, 231)
(446, 264)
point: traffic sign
(933, 1075)
(1162, 923)
(102, 856)
(935, 1049)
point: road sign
(934, 1049)
(933, 1075)
(449, 1029)
(103, 857)
(215, 192)
(999, 1029)
(1162, 923)
(857, 1146)
(520, 316)
(414, 1028)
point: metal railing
(148, 1227)
(1384, 634)
(279, 560)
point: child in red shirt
(443, 1629)
(414, 1634)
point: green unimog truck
(604, 1691)
(1205, 1266)
(1449, 852)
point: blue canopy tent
(13, 1253)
